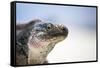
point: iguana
(35, 40)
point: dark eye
(49, 26)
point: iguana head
(38, 39)
(50, 32)
(46, 34)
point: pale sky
(82, 16)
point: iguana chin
(36, 39)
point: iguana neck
(38, 51)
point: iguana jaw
(38, 52)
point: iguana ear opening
(26, 25)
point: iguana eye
(49, 26)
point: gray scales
(36, 39)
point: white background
(5, 34)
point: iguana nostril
(64, 29)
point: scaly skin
(36, 39)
